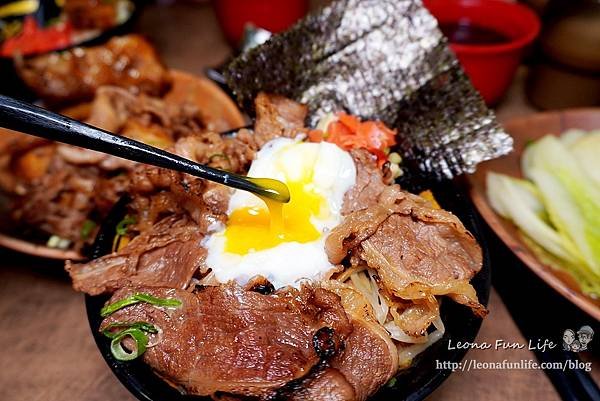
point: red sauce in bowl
(467, 33)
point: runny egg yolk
(257, 228)
(285, 245)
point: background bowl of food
(55, 195)
(31, 29)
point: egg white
(289, 263)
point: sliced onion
(366, 284)
(398, 334)
(406, 354)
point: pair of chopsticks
(33, 120)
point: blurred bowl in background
(489, 38)
(44, 29)
(566, 70)
(272, 15)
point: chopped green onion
(392, 382)
(141, 341)
(122, 225)
(137, 298)
(87, 228)
(143, 326)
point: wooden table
(47, 351)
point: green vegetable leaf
(570, 196)
(558, 209)
(586, 150)
(520, 202)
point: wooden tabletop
(47, 351)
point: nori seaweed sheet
(385, 60)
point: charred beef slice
(224, 339)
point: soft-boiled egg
(286, 246)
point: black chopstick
(33, 120)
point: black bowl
(414, 383)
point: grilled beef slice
(417, 251)
(167, 255)
(224, 339)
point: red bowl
(272, 15)
(492, 66)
